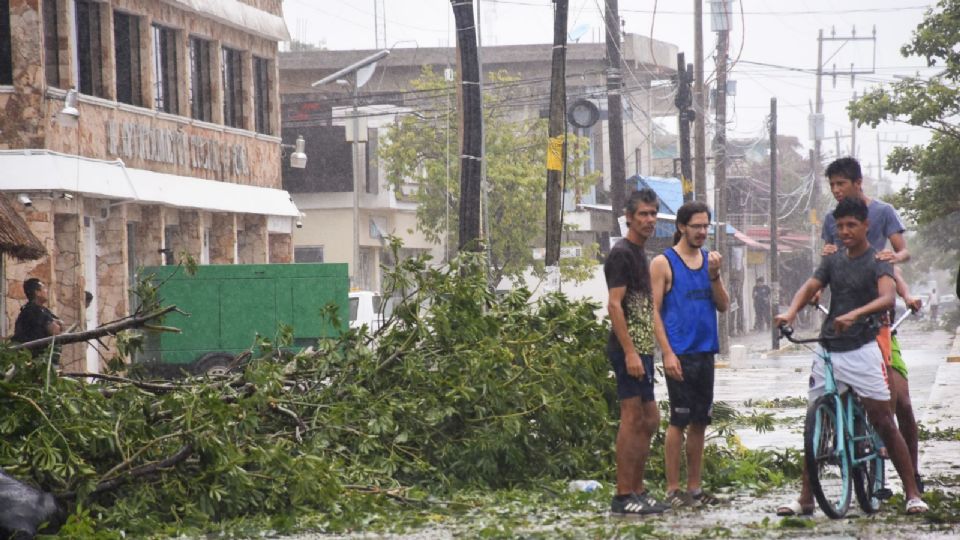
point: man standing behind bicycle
(846, 180)
(861, 286)
(687, 293)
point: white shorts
(860, 369)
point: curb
(954, 354)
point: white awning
(43, 170)
(238, 15)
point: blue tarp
(670, 192)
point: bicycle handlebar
(893, 327)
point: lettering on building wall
(129, 140)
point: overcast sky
(776, 32)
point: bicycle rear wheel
(828, 467)
(868, 476)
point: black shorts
(691, 400)
(629, 386)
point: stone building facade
(133, 132)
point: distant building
(170, 144)
(649, 66)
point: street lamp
(298, 158)
(362, 70)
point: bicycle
(840, 446)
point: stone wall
(149, 240)
(112, 278)
(281, 248)
(223, 239)
(69, 284)
(39, 218)
(252, 240)
(191, 234)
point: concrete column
(69, 283)
(281, 248)
(109, 57)
(147, 88)
(112, 279)
(149, 240)
(223, 239)
(252, 240)
(191, 233)
(246, 71)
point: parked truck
(229, 305)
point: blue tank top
(688, 311)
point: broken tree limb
(108, 329)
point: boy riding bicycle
(862, 287)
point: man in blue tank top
(687, 294)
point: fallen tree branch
(151, 387)
(137, 472)
(105, 330)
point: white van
(365, 310)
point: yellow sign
(687, 185)
(813, 217)
(555, 153)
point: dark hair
(643, 195)
(846, 167)
(687, 211)
(31, 286)
(851, 207)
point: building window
(261, 94)
(6, 47)
(308, 254)
(126, 39)
(51, 43)
(165, 69)
(201, 84)
(89, 48)
(232, 68)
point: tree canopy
(932, 102)
(423, 149)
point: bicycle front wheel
(824, 451)
(868, 475)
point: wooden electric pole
(774, 259)
(615, 114)
(699, 126)
(471, 136)
(556, 148)
(720, 167)
(683, 101)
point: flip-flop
(794, 508)
(916, 506)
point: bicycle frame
(854, 444)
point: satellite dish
(578, 32)
(364, 74)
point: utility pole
(699, 126)
(556, 149)
(817, 127)
(484, 186)
(817, 120)
(774, 255)
(853, 133)
(615, 113)
(720, 160)
(683, 100)
(471, 136)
